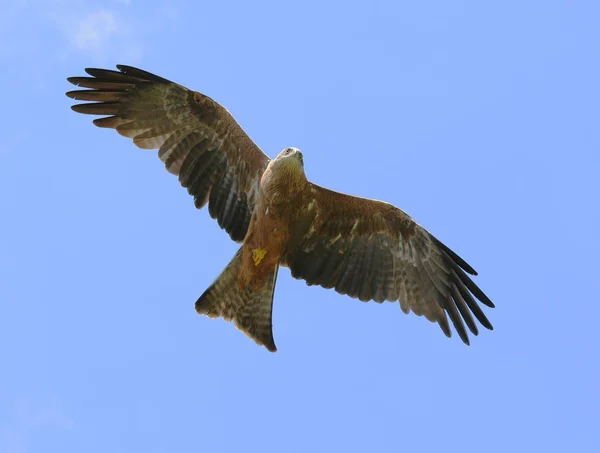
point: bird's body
(367, 249)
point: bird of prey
(367, 249)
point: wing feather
(372, 250)
(197, 139)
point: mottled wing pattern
(198, 140)
(372, 250)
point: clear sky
(480, 119)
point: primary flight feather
(364, 248)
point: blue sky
(480, 119)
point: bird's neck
(282, 184)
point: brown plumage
(364, 248)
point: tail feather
(250, 310)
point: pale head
(284, 174)
(291, 155)
(288, 162)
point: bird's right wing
(197, 138)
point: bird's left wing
(198, 140)
(372, 250)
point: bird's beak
(298, 154)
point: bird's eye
(288, 151)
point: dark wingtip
(454, 256)
(97, 108)
(470, 284)
(445, 328)
(462, 333)
(141, 74)
(73, 94)
(485, 300)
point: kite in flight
(364, 248)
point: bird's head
(286, 170)
(291, 156)
(288, 162)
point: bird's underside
(364, 248)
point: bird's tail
(249, 308)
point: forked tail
(249, 309)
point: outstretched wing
(198, 140)
(372, 250)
